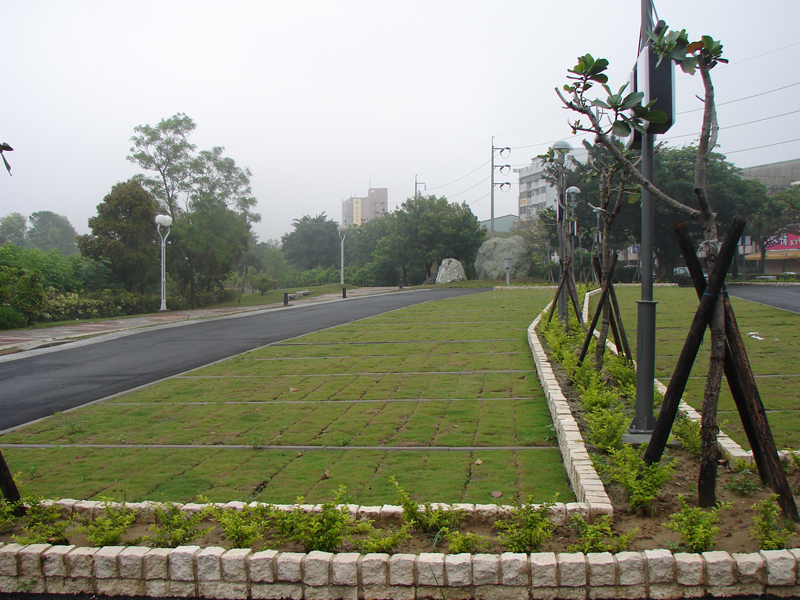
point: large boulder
(489, 262)
(449, 271)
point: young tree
(124, 234)
(610, 116)
(49, 231)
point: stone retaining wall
(191, 571)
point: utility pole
(503, 185)
(416, 186)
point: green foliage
(606, 427)
(599, 397)
(600, 537)
(688, 432)
(769, 528)
(324, 530)
(43, 524)
(11, 318)
(109, 529)
(264, 283)
(469, 542)
(620, 369)
(696, 526)
(643, 483)
(7, 517)
(243, 528)
(526, 528)
(381, 540)
(22, 291)
(95, 305)
(12, 229)
(49, 231)
(174, 527)
(745, 480)
(425, 517)
(124, 234)
(314, 242)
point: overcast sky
(322, 99)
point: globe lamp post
(342, 234)
(164, 221)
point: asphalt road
(778, 296)
(39, 383)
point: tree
(773, 216)
(49, 231)
(313, 243)
(12, 229)
(124, 234)
(618, 114)
(195, 189)
(428, 229)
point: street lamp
(507, 265)
(342, 234)
(573, 191)
(561, 148)
(163, 221)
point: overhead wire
(737, 125)
(460, 178)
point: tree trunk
(709, 457)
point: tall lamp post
(166, 222)
(342, 234)
(561, 148)
(572, 192)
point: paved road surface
(37, 383)
(786, 297)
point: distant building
(356, 211)
(776, 176)
(501, 224)
(535, 193)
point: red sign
(787, 241)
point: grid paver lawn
(451, 381)
(775, 359)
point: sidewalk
(29, 339)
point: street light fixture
(507, 265)
(342, 234)
(166, 222)
(562, 148)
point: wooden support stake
(702, 317)
(9, 488)
(597, 312)
(558, 292)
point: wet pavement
(30, 339)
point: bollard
(286, 298)
(344, 292)
(401, 284)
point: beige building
(356, 211)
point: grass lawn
(434, 395)
(775, 359)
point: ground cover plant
(378, 398)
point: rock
(489, 262)
(449, 271)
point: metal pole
(644, 421)
(163, 269)
(562, 297)
(491, 202)
(341, 262)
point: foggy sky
(323, 99)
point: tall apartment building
(535, 193)
(356, 211)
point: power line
(765, 146)
(460, 178)
(469, 188)
(737, 125)
(745, 98)
(474, 201)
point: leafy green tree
(427, 229)
(194, 189)
(23, 291)
(313, 243)
(49, 231)
(13, 228)
(124, 234)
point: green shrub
(43, 524)
(599, 396)
(469, 542)
(22, 290)
(384, 541)
(696, 526)
(243, 528)
(526, 528)
(109, 529)
(174, 527)
(606, 427)
(11, 318)
(620, 369)
(769, 528)
(324, 530)
(643, 483)
(425, 518)
(600, 537)
(688, 432)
